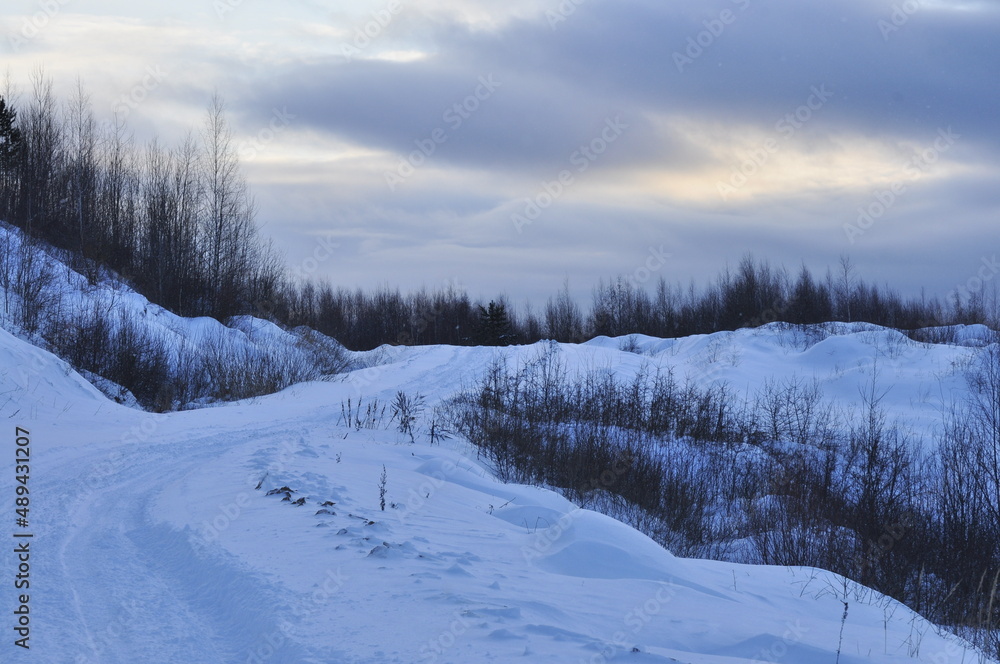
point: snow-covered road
(153, 543)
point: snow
(74, 294)
(920, 380)
(155, 539)
(153, 544)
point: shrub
(778, 479)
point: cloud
(555, 87)
(806, 111)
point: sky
(508, 147)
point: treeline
(365, 320)
(776, 477)
(177, 223)
(753, 294)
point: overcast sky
(508, 146)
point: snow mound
(253, 532)
(35, 383)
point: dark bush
(778, 479)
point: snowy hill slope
(37, 384)
(920, 379)
(155, 539)
(96, 317)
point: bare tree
(81, 174)
(41, 162)
(118, 196)
(229, 213)
(563, 320)
(845, 288)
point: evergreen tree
(494, 325)
(809, 302)
(10, 152)
(10, 135)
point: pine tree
(494, 325)
(10, 135)
(10, 151)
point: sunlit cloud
(326, 98)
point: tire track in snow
(141, 591)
